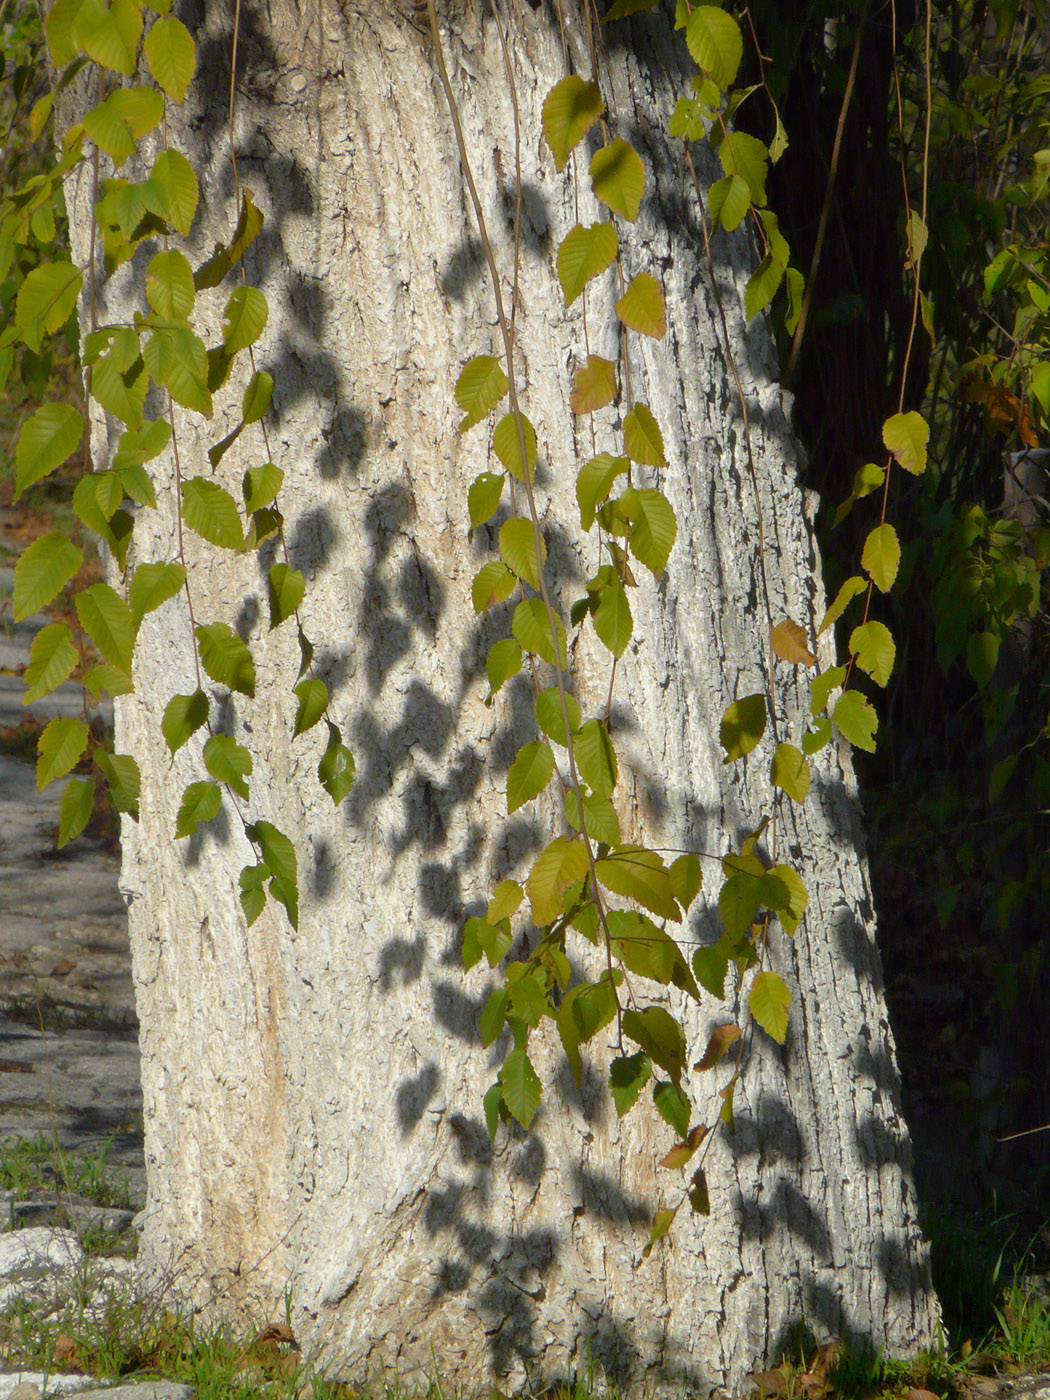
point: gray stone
(30, 1385)
(141, 1390)
(31, 1252)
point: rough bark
(313, 1099)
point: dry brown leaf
(63, 967)
(791, 643)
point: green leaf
(529, 774)
(42, 571)
(699, 1196)
(599, 817)
(1001, 775)
(856, 719)
(653, 526)
(628, 1076)
(287, 587)
(642, 307)
(278, 851)
(642, 946)
(686, 878)
(228, 762)
(505, 901)
(583, 1013)
(153, 585)
(178, 361)
(336, 770)
(618, 178)
(594, 385)
(843, 598)
(121, 392)
(521, 1087)
(483, 498)
(107, 620)
(673, 1106)
(171, 56)
(570, 109)
(494, 1107)
(715, 43)
(141, 445)
(662, 1222)
(728, 201)
(244, 319)
(517, 546)
(642, 438)
(493, 584)
(506, 442)
(312, 695)
(48, 437)
(59, 747)
(762, 286)
(595, 481)
(493, 1016)
(584, 253)
(225, 657)
(868, 478)
(818, 737)
(110, 34)
(183, 716)
(169, 285)
(660, 1036)
(882, 556)
(46, 300)
(122, 779)
(743, 725)
(790, 772)
(60, 29)
(173, 192)
(722, 1037)
(790, 907)
(982, 656)
(641, 875)
(51, 658)
(200, 803)
(738, 902)
(686, 122)
(710, 965)
(873, 647)
(746, 156)
(253, 897)
(823, 685)
(261, 485)
(141, 108)
(502, 662)
(556, 867)
(769, 1001)
(549, 714)
(906, 436)
(109, 679)
(78, 798)
(257, 396)
(531, 626)
(479, 388)
(211, 512)
(595, 757)
(612, 618)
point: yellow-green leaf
(570, 109)
(654, 527)
(529, 774)
(78, 800)
(612, 617)
(286, 589)
(843, 598)
(642, 306)
(479, 388)
(594, 483)
(244, 319)
(51, 658)
(211, 512)
(642, 438)
(906, 436)
(517, 547)
(743, 725)
(874, 649)
(769, 1001)
(715, 43)
(493, 583)
(172, 191)
(557, 867)
(169, 285)
(107, 620)
(46, 300)
(483, 498)
(42, 571)
(531, 626)
(618, 178)
(59, 747)
(171, 56)
(728, 200)
(856, 719)
(585, 252)
(790, 771)
(110, 34)
(506, 442)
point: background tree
(312, 1093)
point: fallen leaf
(63, 967)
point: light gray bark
(313, 1099)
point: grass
(34, 1167)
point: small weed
(33, 1166)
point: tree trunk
(313, 1099)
